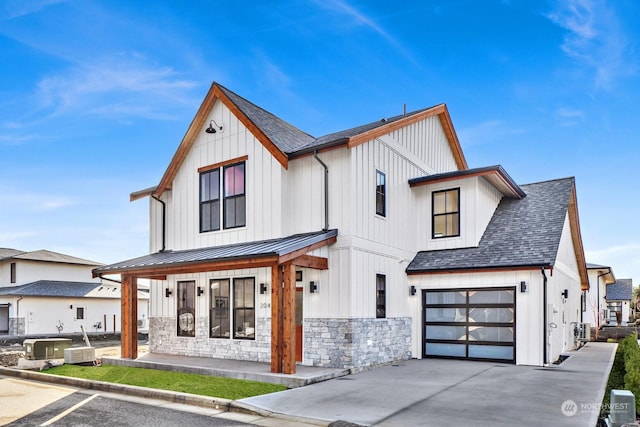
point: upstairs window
(446, 213)
(13, 272)
(381, 299)
(381, 194)
(222, 196)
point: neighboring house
(618, 298)
(46, 293)
(594, 306)
(358, 248)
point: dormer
(456, 207)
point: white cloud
(569, 116)
(595, 38)
(10, 9)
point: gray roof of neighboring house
(44, 255)
(522, 232)
(591, 266)
(621, 290)
(52, 288)
(237, 251)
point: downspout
(18, 306)
(164, 221)
(326, 190)
(544, 317)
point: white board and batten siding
(263, 189)
(28, 271)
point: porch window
(13, 272)
(381, 194)
(381, 301)
(186, 309)
(219, 323)
(228, 210)
(446, 213)
(244, 308)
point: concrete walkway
(435, 392)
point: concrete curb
(150, 393)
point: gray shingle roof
(51, 288)
(621, 290)
(44, 255)
(238, 251)
(284, 135)
(522, 232)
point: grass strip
(226, 388)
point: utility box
(622, 409)
(75, 355)
(45, 348)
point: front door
(299, 298)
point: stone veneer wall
(163, 339)
(356, 344)
(17, 326)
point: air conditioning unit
(584, 334)
(45, 348)
(75, 355)
(143, 324)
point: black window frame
(13, 272)
(447, 214)
(219, 309)
(381, 297)
(79, 313)
(218, 208)
(186, 304)
(381, 193)
(244, 311)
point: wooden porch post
(276, 318)
(289, 319)
(129, 317)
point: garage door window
(470, 323)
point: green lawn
(227, 388)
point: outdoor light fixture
(313, 287)
(71, 307)
(167, 292)
(412, 290)
(211, 129)
(263, 288)
(200, 291)
(565, 293)
(523, 286)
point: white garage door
(475, 324)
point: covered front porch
(281, 256)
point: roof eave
(486, 268)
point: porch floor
(255, 371)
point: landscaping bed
(625, 372)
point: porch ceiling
(227, 257)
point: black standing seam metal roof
(522, 233)
(237, 251)
(621, 290)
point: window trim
(434, 215)
(383, 282)
(13, 274)
(192, 299)
(232, 309)
(220, 168)
(80, 313)
(383, 193)
(244, 308)
(221, 305)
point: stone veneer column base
(356, 344)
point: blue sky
(95, 97)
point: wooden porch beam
(303, 251)
(276, 319)
(289, 320)
(311, 261)
(129, 317)
(160, 271)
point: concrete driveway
(434, 392)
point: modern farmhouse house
(47, 293)
(354, 249)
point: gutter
(164, 221)
(544, 318)
(326, 190)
